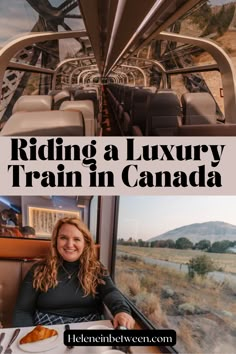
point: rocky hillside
(212, 231)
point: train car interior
(165, 69)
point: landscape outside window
(29, 16)
(176, 262)
(215, 20)
(210, 19)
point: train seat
(86, 108)
(164, 113)
(82, 95)
(119, 93)
(198, 108)
(113, 103)
(139, 112)
(92, 89)
(10, 281)
(33, 103)
(58, 98)
(50, 123)
(123, 110)
(128, 95)
(17, 255)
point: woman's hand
(123, 319)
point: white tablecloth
(60, 348)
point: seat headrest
(33, 103)
(198, 108)
(140, 95)
(152, 89)
(92, 88)
(53, 92)
(86, 107)
(85, 95)
(164, 103)
(64, 94)
(164, 113)
(50, 123)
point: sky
(17, 17)
(146, 217)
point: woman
(70, 285)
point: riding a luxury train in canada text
(125, 68)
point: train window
(212, 19)
(214, 83)
(16, 82)
(20, 16)
(176, 262)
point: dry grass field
(226, 262)
(202, 312)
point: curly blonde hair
(90, 272)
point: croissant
(38, 333)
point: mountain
(211, 230)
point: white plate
(99, 327)
(41, 345)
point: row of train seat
(144, 112)
(59, 113)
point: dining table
(56, 345)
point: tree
(170, 243)
(203, 245)
(140, 243)
(183, 243)
(161, 243)
(200, 265)
(220, 246)
(202, 15)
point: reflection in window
(93, 217)
(176, 262)
(37, 212)
(43, 220)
